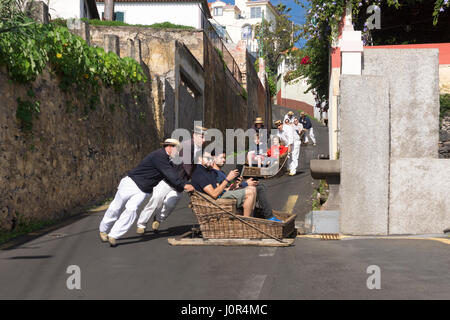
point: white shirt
(299, 128)
(291, 119)
(287, 135)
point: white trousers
(118, 221)
(310, 134)
(293, 162)
(164, 199)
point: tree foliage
(322, 24)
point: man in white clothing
(286, 134)
(165, 198)
(298, 131)
(134, 188)
(290, 117)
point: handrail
(217, 41)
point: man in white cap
(286, 134)
(289, 116)
(165, 197)
(136, 186)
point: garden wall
(73, 156)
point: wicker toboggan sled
(275, 170)
(219, 219)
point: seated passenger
(204, 179)
(238, 184)
(275, 151)
(257, 152)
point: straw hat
(171, 142)
(200, 130)
(290, 113)
(302, 113)
(259, 120)
(278, 123)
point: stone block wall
(73, 156)
(392, 181)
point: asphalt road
(149, 268)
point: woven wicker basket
(269, 172)
(215, 223)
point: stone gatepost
(111, 43)
(134, 49)
(38, 11)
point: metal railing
(218, 43)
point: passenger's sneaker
(112, 242)
(155, 225)
(103, 237)
(140, 231)
(274, 219)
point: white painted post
(351, 46)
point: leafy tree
(277, 36)
(323, 19)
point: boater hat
(290, 113)
(278, 123)
(171, 142)
(199, 130)
(259, 120)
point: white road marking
(267, 252)
(290, 204)
(252, 287)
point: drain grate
(56, 235)
(330, 236)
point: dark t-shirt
(202, 177)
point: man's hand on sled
(188, 188)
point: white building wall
(188, 14)
(234, 26)
(65, 8)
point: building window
(247, 32)
(118, 16)
(218, 11)
(255, 13)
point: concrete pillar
(38, 11)
(364, 141)
(111, 43)
(134, 49)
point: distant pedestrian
(290, 117)
(136, 186)
(307, 125)
(325, 114)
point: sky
(297, 12)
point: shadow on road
(150, 235)
(28, 257)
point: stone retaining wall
(73, 156)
